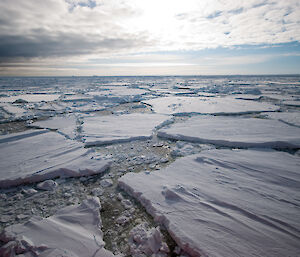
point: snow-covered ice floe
(292, 118)
(208, 105)
(226, 202)
(234, 132)
(99, 130)
(73, 231)
(65, 125)
(37, 155)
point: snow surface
(292, 118)
(72, 231)
(292, 103)
(37, 155)
(226, 202)
(234, 132)
(30, 98)
(207, 105)
(99, 130)
(65, 125)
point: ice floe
(207, 105)
(37, 155)
(234, 132)
(99, 130)
(65, 125)
(73, 231)
(226, 202)
(30, 98)
(292, 118)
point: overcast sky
(149, 37)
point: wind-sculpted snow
(37, 155)
(99, 130)
(226, 203)
(207, 105)
(73, 231)
(235, 132)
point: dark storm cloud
(63, 44)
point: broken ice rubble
(99, 130)
(72, 231)
(225, 202)
(207, 105)
(37, 155)
(234, 132)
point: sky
(149, 37)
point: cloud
(91, 29)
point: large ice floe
(207, 105)
(100, 130)
(74, 231)
(225, 202)
(67, 126)
(234, 132)
(291, 118)
(37, 155)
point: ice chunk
(147, 241)
(48, 185)
(16, 111)
(234, 132)
(292, 118)
(99, 130)
(72, 231)
(37, 155)
(226, 202)
(208, 105)
(65, 125)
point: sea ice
(37, 155)
(225, 202)
(30, 98)
(292, 103)
(73, 231)
(65, 125)
(234, 132)
(15, 111)
(99, 130)
(144, 241)
(291, 118)
(207, 105)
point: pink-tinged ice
(226, 203)
(234, 132)
(74, 231)
(207, 105)
(99, 130)
(38, 155)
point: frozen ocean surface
(235, 132)
(171, 144)
(225, 202)
(37, 155)
(100, 130)
(73, 231)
